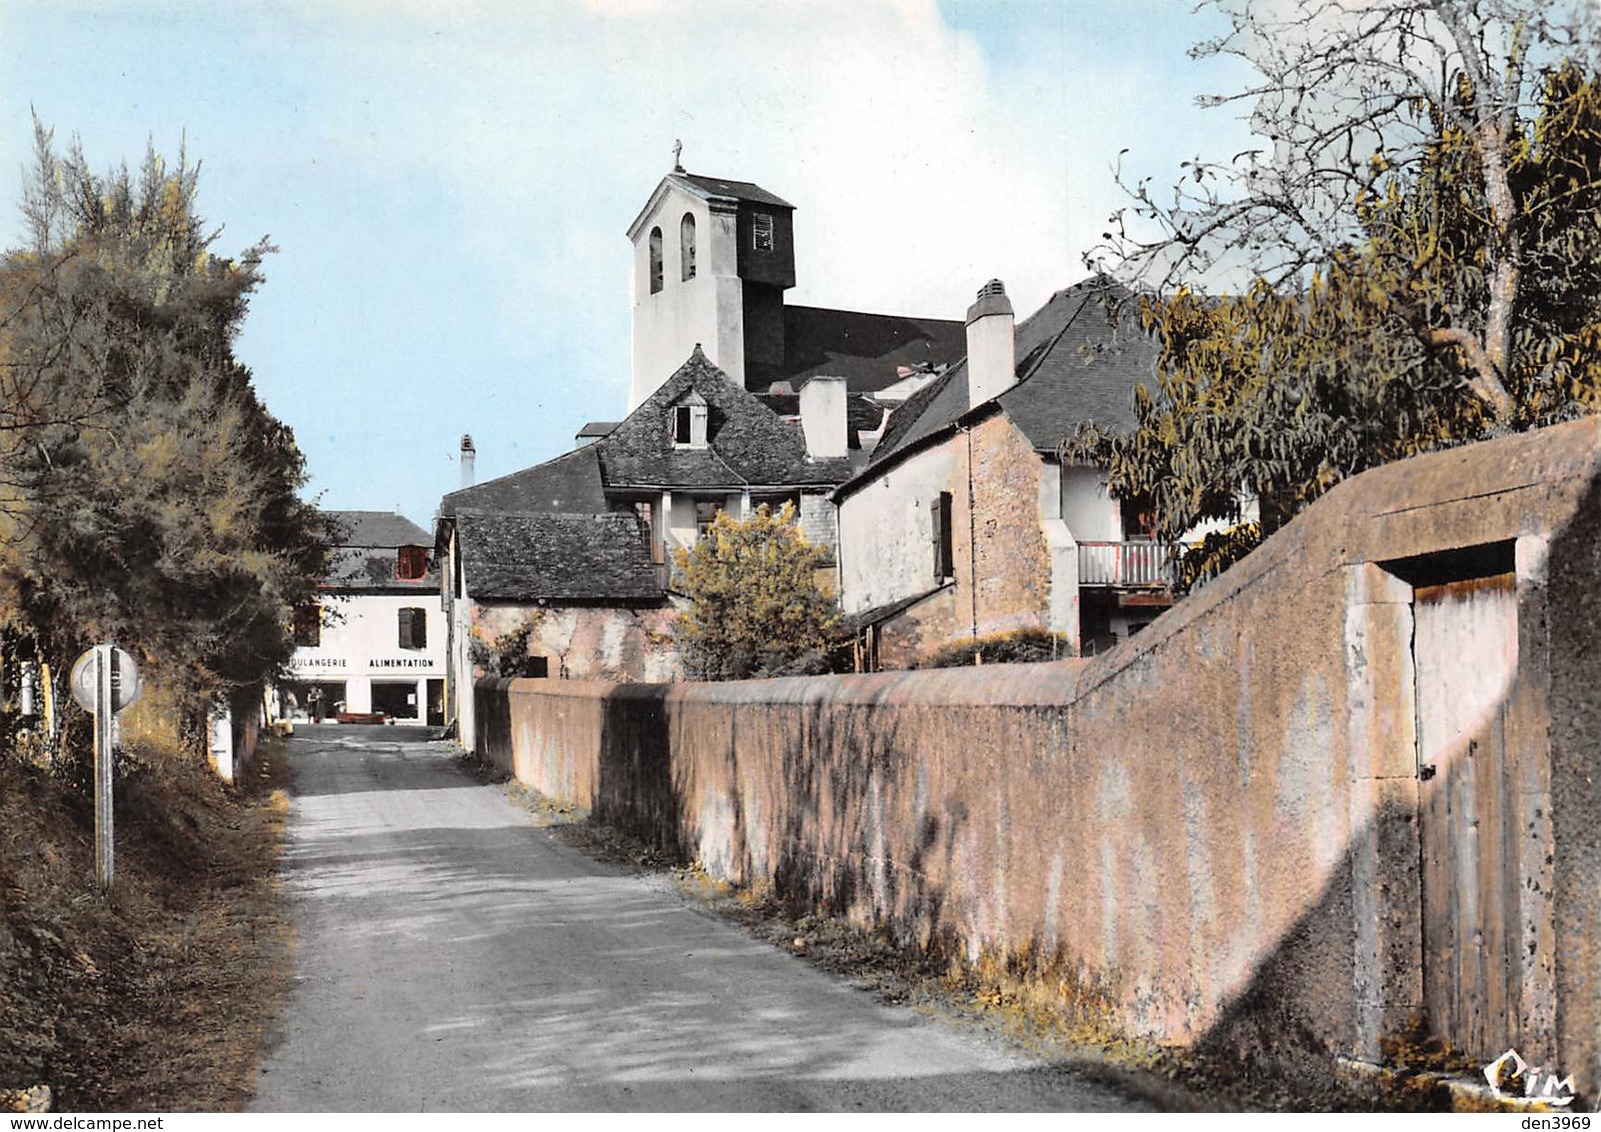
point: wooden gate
(1465, 647)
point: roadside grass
(159, 993)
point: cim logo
(1538, 1085)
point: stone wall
(1211, 831)
(589, 642)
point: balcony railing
(1125, 564)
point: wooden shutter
(940, 512)
(413, 628)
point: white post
(105, 716)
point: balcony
(1125, 565)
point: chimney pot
(468, 457)
(824, 418)
(991, 345)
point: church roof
(729, 190)
(1075, 363)
(867, 350)
(526, 557)
(706, 188)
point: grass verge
(159, 993)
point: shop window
(655, 260)
(411, 563)
(940, 512)
(686, 247)
(413, 628)
(306, 626)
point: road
(451, 955)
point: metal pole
(105, 717)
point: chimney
(822, 412)
(468, 455)
(991, 345)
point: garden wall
(1220, 832)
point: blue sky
(449, 184)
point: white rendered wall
(361, 643)
(886, 534)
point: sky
(449, 184)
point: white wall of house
(360, 647)
(886, 535)
(1086, 507)
(708, 310)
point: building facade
(373, 646)
(967, 524)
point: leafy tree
(1359, 351)
(756, 608)
(146, 494)
(1352, 99)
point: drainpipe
(972, 535)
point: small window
(413, 628)
(762, 231)
(705, 515)
(305, 626)
(655, 260)
(940, 511)
(411, 563)
(686, 247)
(689, 424)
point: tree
(756, 608)
(147, 495)
(1392, 332)
(1354, 98)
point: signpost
(104, 681)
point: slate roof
(557, 557)
(365, 557)
(865, 349)
(733, 190)
(747, 443)
(377, 528)
(570, 483)
(1074, 364)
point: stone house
(966, 522)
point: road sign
(124, 678)
(104, 681)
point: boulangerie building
(372, 648)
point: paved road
(451, 955)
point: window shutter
(940, 512)
(413, 628)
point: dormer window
(411, 563)
(686, 246)
(655, 260)
(761, 230)
(689, 423)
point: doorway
(1465, 653)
